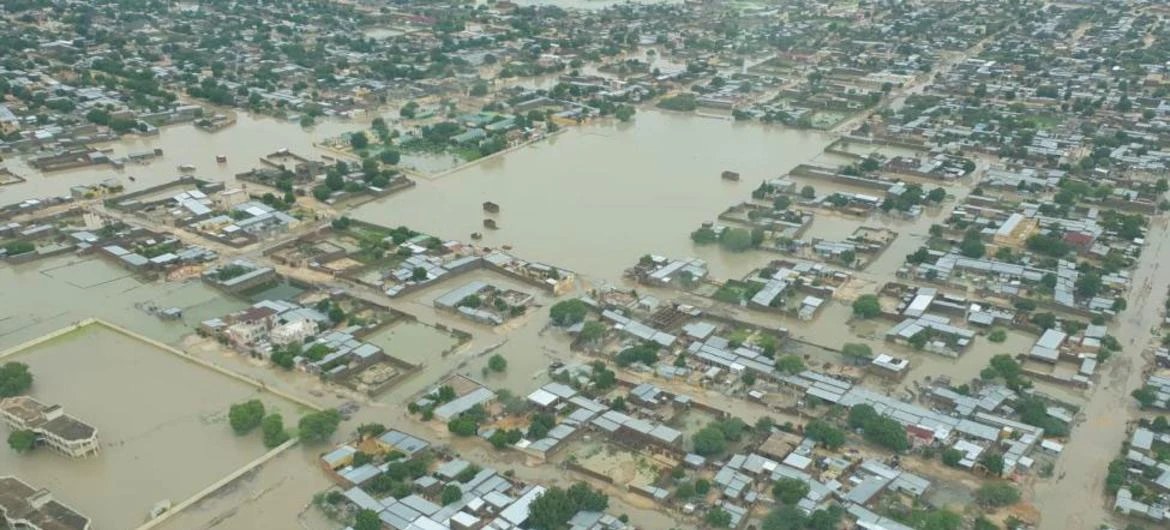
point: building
(888, 366)
(52, 426)
(9, 123)
(25, 507)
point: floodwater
(616, 192)
(1083, 464)
(244, 143)
(58, 291)
(413, 342)
(522, 341)
(162, 422)
(277, 495)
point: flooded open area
(413, 342)
(675, 254)
(591, 185)
(152, 411)
(69, 289)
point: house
(251, 325)
(52, 426)
(26, 507)
(1047, 347)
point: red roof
(1079, 239)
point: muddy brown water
(162, 422)
(596, 198)
(592, 199)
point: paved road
(1076, 498)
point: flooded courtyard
(413, 342)
(150, 408)
(573, 199)
(59, 291)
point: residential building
(27, 508)
(52, 426)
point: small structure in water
(490, 223)
(476, 236)
(171, 313)
(187, 167)
(730, 175)
(159, 508)
(221, 159)
(491, 207)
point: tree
(390, 156)
(993, 462)
(246, 416)
(317, 427)
(732, 428)
(624, 113)
(479, 89)
(568, 312)
(983, 523)
(997, 494)
(540, 424)
(972, 244)
(857, 350)
(861, 415)
(273, 429)
(787, 517)
(704, 236)
(808, 192)
(645, 353)
(887, 433)
(1044, 320)
(867, 306)
(15, 379)
(497, 363)
(367, 430)
(464, 426)
(451, 494)
(334, 181)
(710, 440)
(553, 508)
(1145, 396)
(718, 518)
(997, 336)
(735, 239)
(592, 331)
(22, 441)
(848, 257)
(951, 457)
(936, 195)
(418, 274)
(359, 140)
(789, 490)
(367, 520)
(919, 256)
(822, 432)
(322, 192)
(791, 364)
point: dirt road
(1076, 499)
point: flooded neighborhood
(585, 265)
